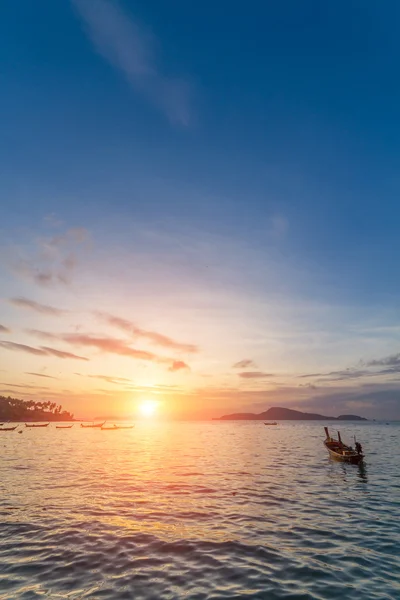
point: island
(14, 409)
(278, 413)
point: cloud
(246, 363)
(111, 379)
(22, 348)
(61, 354)
(29, 387)
(310, 375)
(255, 375)
(37, 307)
(106, 344)
(389, 361)
(42, 334)
(127, 47)
(52, 220)
(42, 351)
(153, 336)
(40, 375)
(52, 261)
(178, 365)
(4, 329)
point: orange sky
(100, 331)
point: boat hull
(353, 458)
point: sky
(199, 206)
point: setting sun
(147, 408)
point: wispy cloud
(40, 375)
(51, 261)
(153, 336)
(111, 379)
(24, 386)
(388, 361)
(42, 351)
(390, 364)
(43, 335)
(4, 329)
(307, 375)
(178, 365)
(246, 363)
(109, 345)
(22, 348)
(105, 344)
(255, 375)
(61, 354)
(37, 307)
(128, 48)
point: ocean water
(202, 510)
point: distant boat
(93, 425)
(338, 450)
(275, 423)
(37, 424)
(8, 428)
(115, 427)
(64, 426)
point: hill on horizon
(288, 414)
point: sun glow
(148, 408)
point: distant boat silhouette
(271, 423)
(91, 425)
(64, 426)
(115, 427)
(8, 428)
(37, 424)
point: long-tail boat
(64, 426)
(275, 423)
(8, 428)
(37, 424)
(93, 425)
(340, 451)
(115, 427)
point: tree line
(14, 409)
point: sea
(199, 510)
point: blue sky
(233, 174)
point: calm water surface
(199, 510)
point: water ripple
(199, 511)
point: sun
(148, 408)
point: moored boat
(340, 451)
(64, 426)
(8, 428)
(91, 425)
(275, 423)
(115, 427)
(37, 424)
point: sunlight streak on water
(198, 510)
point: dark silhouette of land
(13, 409)
(277, 413)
